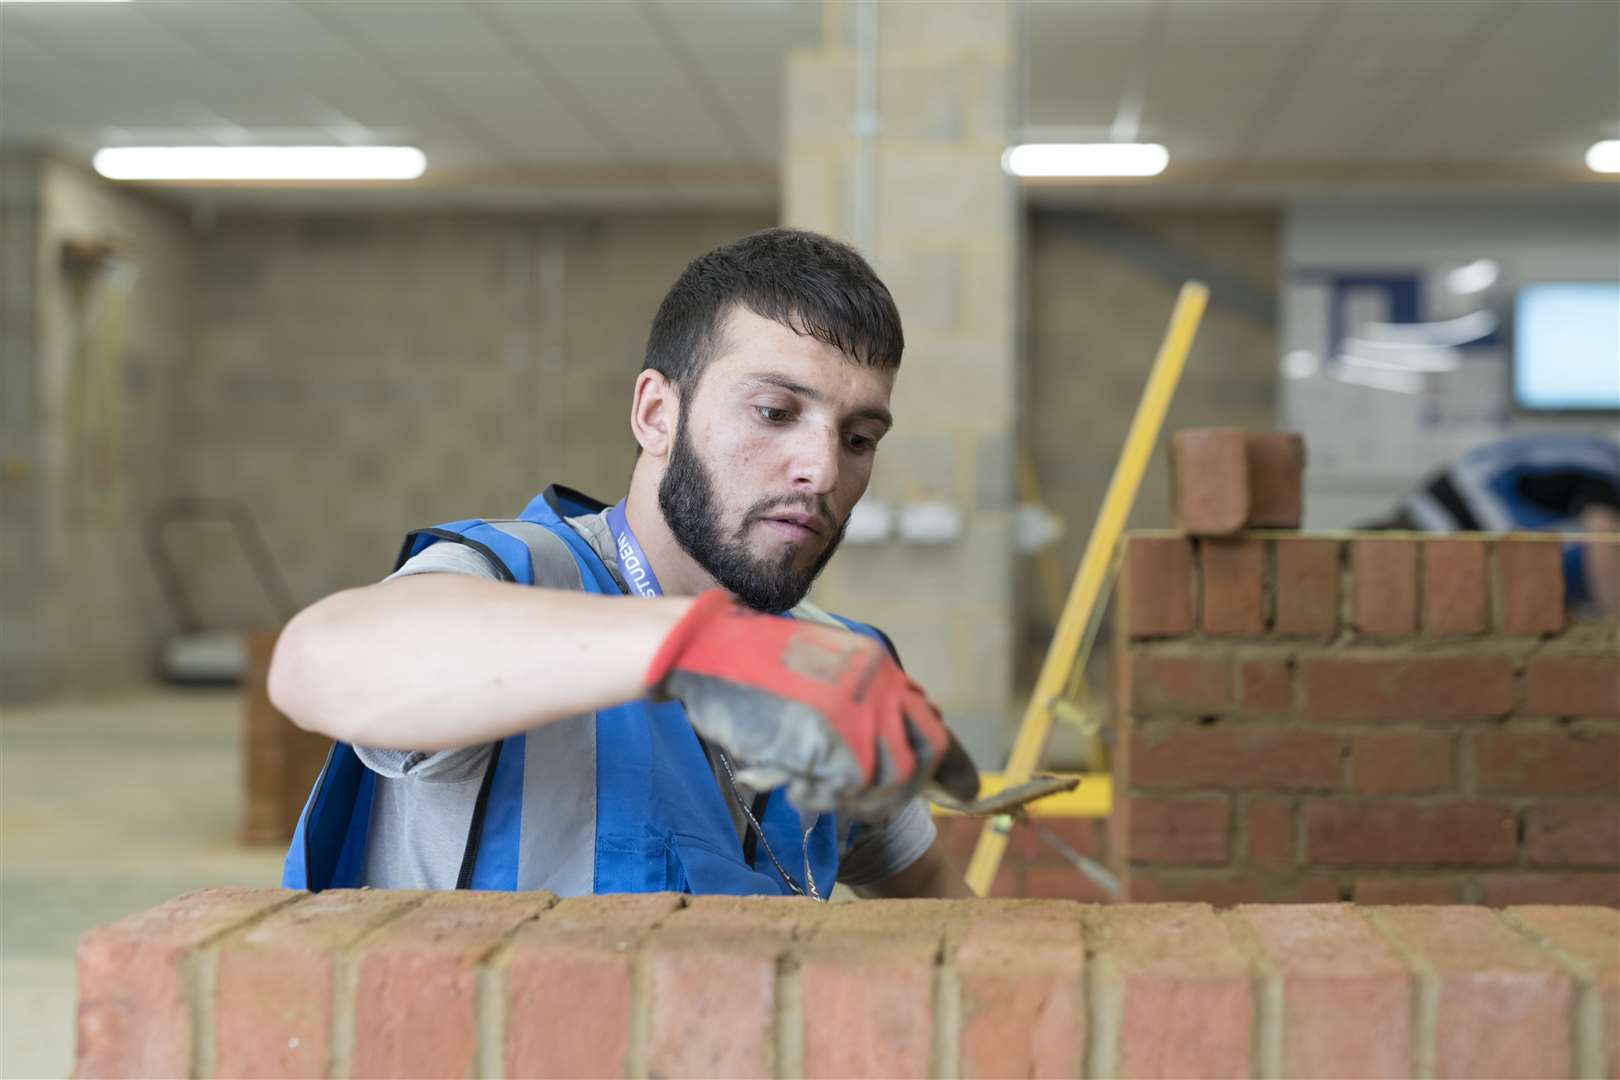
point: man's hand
(826, 711)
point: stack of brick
(279, 759)
(1383, 718)
(366, 983)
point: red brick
(1062, 881)
(273, 985)
(1195, 684)
(1573, 686)
(1340, 983)
(1401, 834)
(1550, 887)
(1186, 1007)
(1233, 572)
(415, 1007)
(1573, 832)
(1307, 587)
(1190, 830)
(1408, 890)
(1588, 943)
(1400, 763)
(1276, 480)
(872, 995)
(1263, 686)
(568, 986)
(1562, 761)
(1177, 754)
(1228, 889)
(1020, 982)
(1502, 1009)
(1383, 590)
(1530, 575)
(1209, 480)
(1416, 688)
(1157, 586)
(1454, 586)
(1269, 825)
(134, 1008)
(716, 961)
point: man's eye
(861, 444)
(773, 416)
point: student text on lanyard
(639, 577)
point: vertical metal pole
(866, 126)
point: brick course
(872, 988)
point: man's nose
(815, 460)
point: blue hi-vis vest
(662, 822)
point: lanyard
(638, 575)
(637, 571)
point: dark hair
(811, 284)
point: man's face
(772, 450)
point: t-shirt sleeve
(882, 850)
(447, 557)
(448, 766)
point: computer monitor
(1566, 346)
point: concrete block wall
(362, 375)
(233, 982)
(945, 238)
(89, 432)
(1385, 719)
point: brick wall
(366, 983)
(1378, 718)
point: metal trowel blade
(1007, 800)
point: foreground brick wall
(1385, 719)
(231, 982)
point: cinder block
(1276, 465)
(1209, 480)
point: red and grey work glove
(825, 711)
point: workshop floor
(107, 806)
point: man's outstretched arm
(933, 874)
(436, 661)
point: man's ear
(654, 412)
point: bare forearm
(442, 660)
(934, 874)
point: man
(564, 736)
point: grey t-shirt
(423, 803)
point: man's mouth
(793, 526)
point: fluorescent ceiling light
(1085, 159)
(1604, 156)
(1473, 277)
(260, 162)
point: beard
(687, 498)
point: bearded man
(637, 697)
